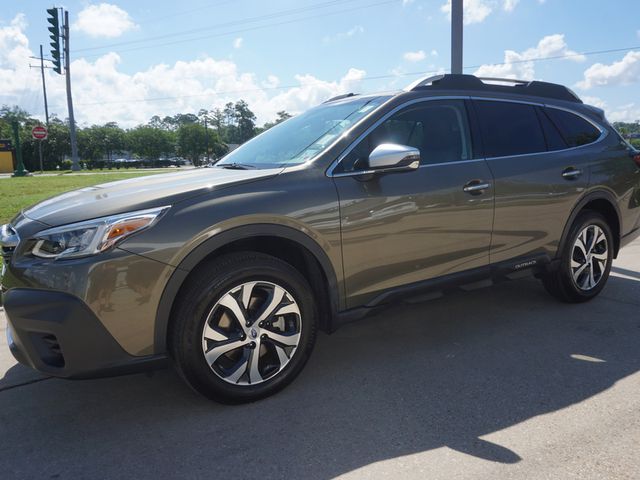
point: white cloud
(474, 11)
(102, 92)
(521, 64)
(625, 113)
(407, 2)
(434, 53)
(356, 30)
(509, 5)
(237, 43)
(271, 82)
(622, 72)
(414, 56)
(103, 20)
(595, 101)
(18, 82)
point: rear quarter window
(575, 130)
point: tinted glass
(551, 133)
(509, 128)
(304, 136)
(575, 130)
(438, 129)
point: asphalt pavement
(498, 383)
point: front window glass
(439, 129)
(302, 137)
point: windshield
(302, 137)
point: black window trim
(541, 114)
(329, 172)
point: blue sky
(133, 59)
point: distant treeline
(160, 142)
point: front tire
(585, 261)
(243, 328)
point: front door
(402, 228)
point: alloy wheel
(589, 257)
(251, 333)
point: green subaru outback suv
(358, 202)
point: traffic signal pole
(44, 88)
(46, 108)
(72, 124)
(54, 29)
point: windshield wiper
(236, 166)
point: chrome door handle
(571, 173)
(473, 187)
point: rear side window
(575, 130)
(509, 128)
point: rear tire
(243, 327)
(585, 260)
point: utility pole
(72, 123)
(456, 36)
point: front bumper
(57, 334)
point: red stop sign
(39, 132)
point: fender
(589, 197)
(212, 244)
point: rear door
(402, 228)
(538, 176)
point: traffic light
(54, 28)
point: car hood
(137, 194)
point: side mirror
(390, 157)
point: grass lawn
(18, 193)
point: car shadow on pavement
(407, 380)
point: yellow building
(6, 157)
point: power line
(281, 13)
(555, 57)
(187, 12)
(369, 77)
(258, 27)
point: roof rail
(503, 80)
(340, 97)
(488, 84)
(423, 82)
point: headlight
(93, 236)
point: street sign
(39, 132)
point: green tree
(246, 121)
(58, 145)
(149, 142)
(281, 117)
(191, 141)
